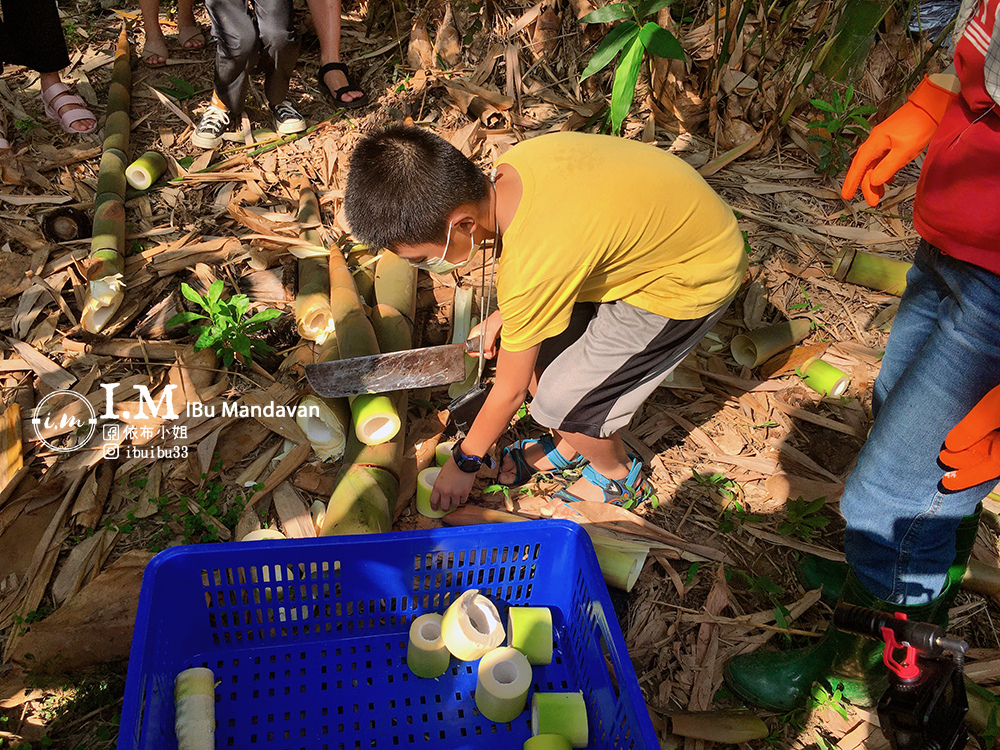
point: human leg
(901, 524)
(907, 541)
(32, 35)
(592, 388)
(189, 33)
(326, 19)
(914, 322)
(154, 49)
(279, 47)
(235, 33)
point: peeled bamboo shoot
(756, 347)
(146, 170)
(328, 431)
(823, 377)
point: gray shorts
(613, 355)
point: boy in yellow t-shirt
(615, 259)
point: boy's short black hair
(403, 184)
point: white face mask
(442, 266)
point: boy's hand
(490, 332)
(452, 487)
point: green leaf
(660, 42)
(607, 14)
(617, 38)
(184, 317)
(649, 7)
(207, 339)
(838, 103)
(214, 292)
(623, 89)
(242, 345)
(182, 89)
(192, 295)
(820, 104)
(692, 572)
(265, 315)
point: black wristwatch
(470, 464)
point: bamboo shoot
(872, 271)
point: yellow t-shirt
(604, 219)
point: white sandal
(57, 96)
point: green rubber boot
(815, 572)
(783, 680)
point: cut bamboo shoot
(620, 561)
(823, 377)
(328, 431)
(346, 512)
(146, 170)
(313, 316)
(756, 347)
(872, 271)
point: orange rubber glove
(896, 141)
(972, 448)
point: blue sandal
(523, 471)
(629, 493)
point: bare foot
(334, 80)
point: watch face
(468, 464)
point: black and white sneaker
(211, 128)
(287, 119)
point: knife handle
(472, 345)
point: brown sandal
(155, 48)
(187, 34)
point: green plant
(822, 698)
(25, 124)
(844, 123)
(228, 331)
(499, 488)
(181, 89)
(807, 305)
(802, 518)
(633, 39)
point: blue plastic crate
(308, 639)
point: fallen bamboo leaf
(11, 450)
(94, 628)
(48, 371)
(293, 513)
(728, 727)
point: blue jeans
(942, 357)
